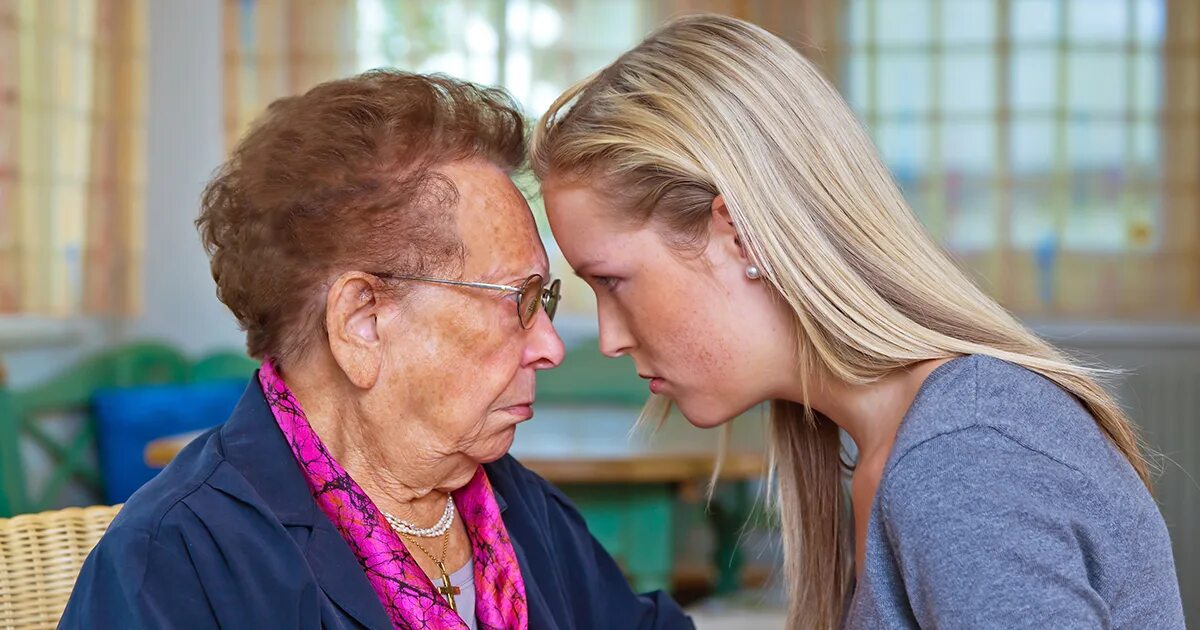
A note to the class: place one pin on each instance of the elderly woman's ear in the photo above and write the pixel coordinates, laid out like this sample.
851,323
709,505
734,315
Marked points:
352,310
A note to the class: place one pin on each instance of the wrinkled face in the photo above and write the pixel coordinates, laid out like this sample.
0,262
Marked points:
705,335
458,363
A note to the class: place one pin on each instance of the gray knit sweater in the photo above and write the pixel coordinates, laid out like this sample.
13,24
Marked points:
1002,505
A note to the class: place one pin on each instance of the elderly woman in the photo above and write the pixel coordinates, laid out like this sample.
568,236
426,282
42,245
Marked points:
388,274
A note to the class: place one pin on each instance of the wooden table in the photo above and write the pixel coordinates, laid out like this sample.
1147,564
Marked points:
628,484
568,445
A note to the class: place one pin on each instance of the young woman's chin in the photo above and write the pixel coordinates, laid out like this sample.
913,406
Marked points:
704,415
707,412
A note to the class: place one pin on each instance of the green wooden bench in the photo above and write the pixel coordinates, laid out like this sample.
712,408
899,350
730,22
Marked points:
22,414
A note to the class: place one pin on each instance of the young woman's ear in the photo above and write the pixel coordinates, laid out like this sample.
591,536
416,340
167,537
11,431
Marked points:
723,228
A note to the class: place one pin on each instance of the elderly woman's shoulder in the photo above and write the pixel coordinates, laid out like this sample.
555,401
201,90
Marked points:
162,495
516,484
507,473
196,496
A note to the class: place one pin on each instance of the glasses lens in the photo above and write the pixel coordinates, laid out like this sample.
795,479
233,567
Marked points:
530,297
551,299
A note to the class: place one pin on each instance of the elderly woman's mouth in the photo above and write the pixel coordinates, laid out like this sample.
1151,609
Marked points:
523,411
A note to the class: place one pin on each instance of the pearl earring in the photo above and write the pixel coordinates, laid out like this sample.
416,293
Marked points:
752,272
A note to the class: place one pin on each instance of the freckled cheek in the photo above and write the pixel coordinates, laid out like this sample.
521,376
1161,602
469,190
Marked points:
712,348
486,436
678,331
456,364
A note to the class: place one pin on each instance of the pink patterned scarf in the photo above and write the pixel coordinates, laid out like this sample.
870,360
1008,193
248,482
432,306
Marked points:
407,593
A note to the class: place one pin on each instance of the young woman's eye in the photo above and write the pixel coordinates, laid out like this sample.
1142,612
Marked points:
606,282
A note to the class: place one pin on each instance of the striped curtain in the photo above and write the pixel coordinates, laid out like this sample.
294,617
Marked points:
276,48
1180,130
72,111
811,26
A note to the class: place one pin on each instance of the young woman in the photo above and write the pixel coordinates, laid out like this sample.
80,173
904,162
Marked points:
746,244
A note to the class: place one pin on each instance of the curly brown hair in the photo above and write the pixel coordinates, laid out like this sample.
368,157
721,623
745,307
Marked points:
345,177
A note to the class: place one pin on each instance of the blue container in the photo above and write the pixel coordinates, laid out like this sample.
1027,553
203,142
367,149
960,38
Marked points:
129,418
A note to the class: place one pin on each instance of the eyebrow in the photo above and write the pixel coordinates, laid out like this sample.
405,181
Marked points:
582,269
515,280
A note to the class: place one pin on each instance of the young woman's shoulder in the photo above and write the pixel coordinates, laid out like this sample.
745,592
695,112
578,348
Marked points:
1002,489
979,398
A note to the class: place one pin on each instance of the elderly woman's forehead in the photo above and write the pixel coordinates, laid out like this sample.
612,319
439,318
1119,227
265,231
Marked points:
494,221
477,180
503,245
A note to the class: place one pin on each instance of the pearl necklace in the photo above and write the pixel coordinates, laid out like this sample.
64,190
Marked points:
438,529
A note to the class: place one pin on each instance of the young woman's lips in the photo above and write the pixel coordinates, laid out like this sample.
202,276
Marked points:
656,383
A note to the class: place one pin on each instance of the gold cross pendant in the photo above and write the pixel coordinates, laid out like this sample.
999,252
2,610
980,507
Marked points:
447,589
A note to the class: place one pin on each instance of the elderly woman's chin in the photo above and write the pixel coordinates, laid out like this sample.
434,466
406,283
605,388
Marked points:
494,443
496,446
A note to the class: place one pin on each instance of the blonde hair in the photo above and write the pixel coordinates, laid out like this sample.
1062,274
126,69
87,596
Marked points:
711,105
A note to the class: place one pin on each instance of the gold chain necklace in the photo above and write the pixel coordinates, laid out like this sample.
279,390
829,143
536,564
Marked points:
447,590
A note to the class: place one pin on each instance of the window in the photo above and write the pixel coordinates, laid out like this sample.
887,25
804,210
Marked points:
1030,137
535,49
1052,145
1031,123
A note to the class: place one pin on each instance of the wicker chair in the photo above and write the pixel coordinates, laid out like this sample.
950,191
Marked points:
40,557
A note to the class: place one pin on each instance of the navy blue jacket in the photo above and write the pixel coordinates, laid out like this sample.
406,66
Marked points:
229,536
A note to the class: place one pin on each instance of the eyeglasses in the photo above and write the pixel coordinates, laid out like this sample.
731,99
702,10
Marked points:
533,292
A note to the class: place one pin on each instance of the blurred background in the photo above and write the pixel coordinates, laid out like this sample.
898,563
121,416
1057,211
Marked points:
1052,146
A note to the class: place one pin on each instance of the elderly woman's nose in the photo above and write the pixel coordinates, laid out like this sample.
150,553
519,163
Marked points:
544,348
